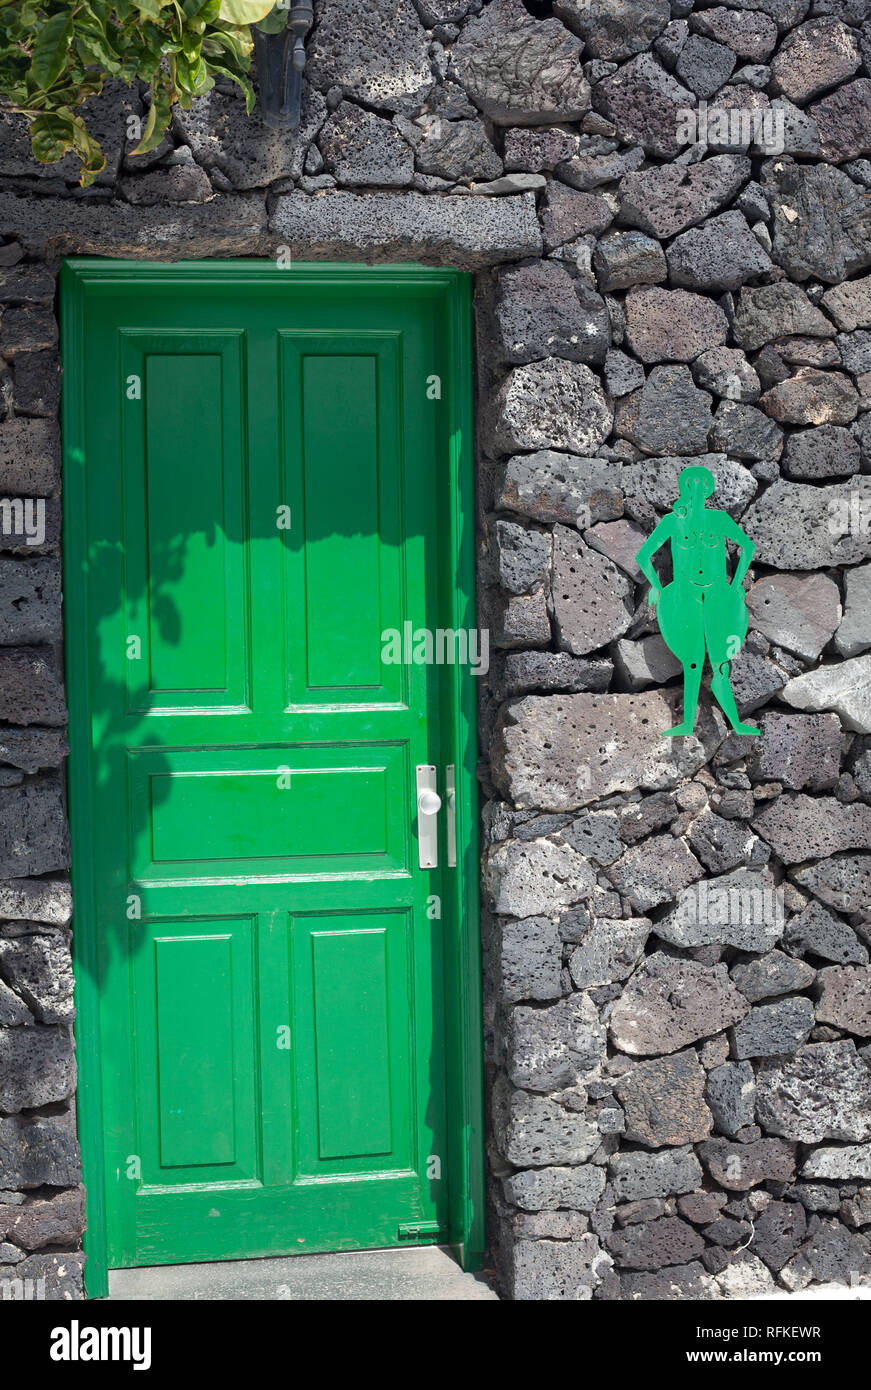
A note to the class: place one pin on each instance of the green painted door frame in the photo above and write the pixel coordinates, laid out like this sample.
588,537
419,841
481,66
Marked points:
87,282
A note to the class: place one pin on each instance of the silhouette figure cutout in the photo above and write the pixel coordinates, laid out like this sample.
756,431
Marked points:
700,611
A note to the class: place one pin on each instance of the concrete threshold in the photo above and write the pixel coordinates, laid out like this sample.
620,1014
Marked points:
421,1274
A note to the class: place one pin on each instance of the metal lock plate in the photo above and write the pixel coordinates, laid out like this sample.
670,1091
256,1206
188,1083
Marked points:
428,805
451,822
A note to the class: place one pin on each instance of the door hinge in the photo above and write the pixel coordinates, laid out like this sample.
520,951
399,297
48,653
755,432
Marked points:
422,1230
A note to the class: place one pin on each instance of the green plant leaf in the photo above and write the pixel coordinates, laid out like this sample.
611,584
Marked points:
241,81
159,115
50,49
191,43
55,54
51,136
275,21
244,11
237,42
93,48
86,147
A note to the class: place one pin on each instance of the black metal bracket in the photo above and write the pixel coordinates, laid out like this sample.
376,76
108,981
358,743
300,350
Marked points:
280,66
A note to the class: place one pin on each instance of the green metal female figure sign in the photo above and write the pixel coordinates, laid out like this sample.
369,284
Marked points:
700,610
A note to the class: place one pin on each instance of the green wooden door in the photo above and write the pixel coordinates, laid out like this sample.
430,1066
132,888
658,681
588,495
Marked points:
264,482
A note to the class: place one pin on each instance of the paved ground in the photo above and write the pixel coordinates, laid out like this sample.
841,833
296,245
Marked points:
825,1292
423,1274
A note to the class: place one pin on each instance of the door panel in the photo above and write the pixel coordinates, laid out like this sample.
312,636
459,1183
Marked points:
217,811
272,972
202,1047
352,978
340,402
179,522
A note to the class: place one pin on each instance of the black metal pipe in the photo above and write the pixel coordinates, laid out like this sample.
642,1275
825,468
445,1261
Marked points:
280,64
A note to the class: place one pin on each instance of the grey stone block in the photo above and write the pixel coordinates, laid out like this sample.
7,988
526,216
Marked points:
720,255
535,1132
37,1066
671,1002
38,1151
738,1167
360,148
519,70
30,599
31,690
592,598
615,29
29,458
669,415
797,526
624,259
637,1176
33,829
665,199
845,998
730,1091
465,232
376,51
523,556
672,325
823,1092
551,486
817,198
842,882
797,612
538,876
814,57
654,872
741,908
800,827
39,900
551,404
555,1046
664,1101
547,754
538,311
854,633
529,960
772,1029
609,951
566,1270
39,968
656,1244
54,227
643,101
798,750
546,1189
770,975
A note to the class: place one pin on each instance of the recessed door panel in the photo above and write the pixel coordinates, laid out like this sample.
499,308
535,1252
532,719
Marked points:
343,460
352,976
184,497
268,810
196,1038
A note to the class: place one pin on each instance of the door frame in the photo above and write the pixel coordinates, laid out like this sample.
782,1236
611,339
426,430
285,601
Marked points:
460,919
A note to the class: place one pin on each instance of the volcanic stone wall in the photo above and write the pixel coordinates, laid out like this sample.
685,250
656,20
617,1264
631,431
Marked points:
668,206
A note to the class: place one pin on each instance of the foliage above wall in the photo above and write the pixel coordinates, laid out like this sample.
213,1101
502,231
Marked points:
54,54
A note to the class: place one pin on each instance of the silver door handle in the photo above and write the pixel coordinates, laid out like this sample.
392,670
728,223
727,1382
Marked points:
428,803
